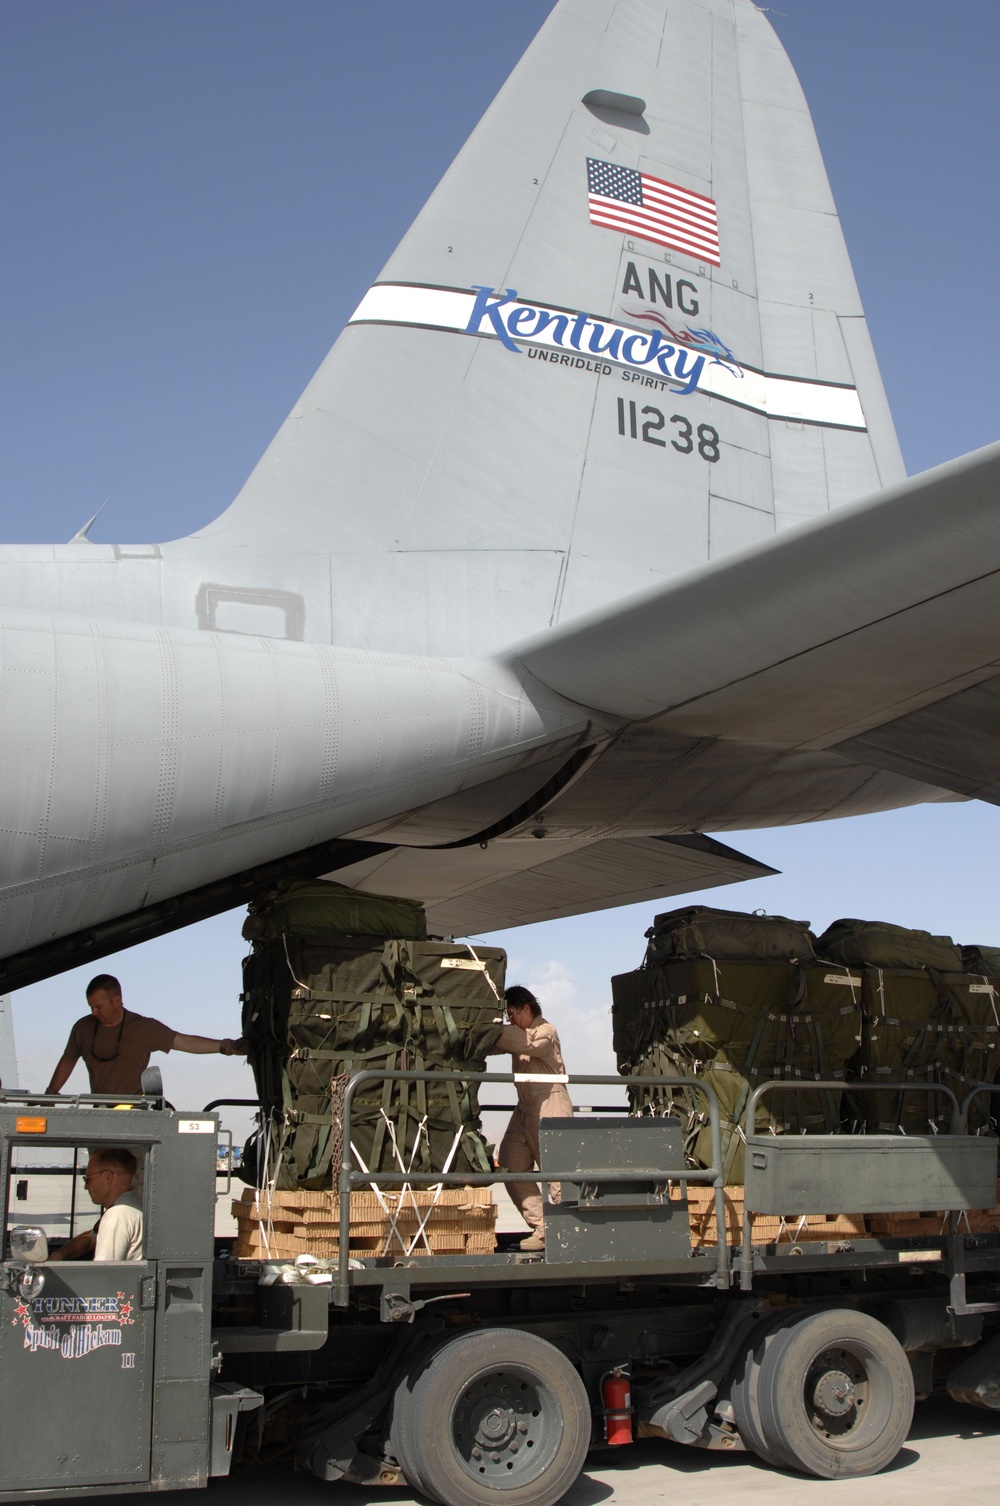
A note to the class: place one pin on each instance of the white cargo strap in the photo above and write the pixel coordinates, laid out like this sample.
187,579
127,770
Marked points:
297,981
541,1077
493,988
393,1214
271,1155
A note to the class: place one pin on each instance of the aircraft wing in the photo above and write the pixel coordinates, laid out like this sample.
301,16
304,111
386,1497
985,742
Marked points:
873,634
516,881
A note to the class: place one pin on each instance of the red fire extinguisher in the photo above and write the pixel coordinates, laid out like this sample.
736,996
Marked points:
616,1394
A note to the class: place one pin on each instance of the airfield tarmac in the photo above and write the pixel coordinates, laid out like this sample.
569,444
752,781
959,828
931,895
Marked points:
952,1456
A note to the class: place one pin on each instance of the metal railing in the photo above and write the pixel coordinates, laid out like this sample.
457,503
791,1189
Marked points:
973,1093
783,1085
146,1101
799,1085
351,1178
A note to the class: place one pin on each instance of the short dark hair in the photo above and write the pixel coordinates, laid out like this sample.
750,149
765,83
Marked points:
518,997
105,981
115,1158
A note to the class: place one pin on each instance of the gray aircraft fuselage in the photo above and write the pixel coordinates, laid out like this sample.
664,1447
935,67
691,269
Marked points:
436,645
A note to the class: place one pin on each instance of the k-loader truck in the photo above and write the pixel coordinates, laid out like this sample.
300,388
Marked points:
484,1379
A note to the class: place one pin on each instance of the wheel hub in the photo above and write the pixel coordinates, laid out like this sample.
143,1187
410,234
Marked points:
834,1394
492,1422
500,1432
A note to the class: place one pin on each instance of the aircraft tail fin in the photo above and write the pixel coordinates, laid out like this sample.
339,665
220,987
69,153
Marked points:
622,338
8,1054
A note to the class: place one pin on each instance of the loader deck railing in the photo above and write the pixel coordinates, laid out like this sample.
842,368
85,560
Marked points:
867,1172
352,1178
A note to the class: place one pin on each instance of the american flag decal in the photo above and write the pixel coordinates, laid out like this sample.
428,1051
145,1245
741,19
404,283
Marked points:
637,204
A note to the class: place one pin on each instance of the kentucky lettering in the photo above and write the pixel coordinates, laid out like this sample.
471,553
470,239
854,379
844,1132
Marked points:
511,321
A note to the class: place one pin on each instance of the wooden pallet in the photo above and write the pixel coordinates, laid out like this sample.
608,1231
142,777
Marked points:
279,1226
766,1229
769,1229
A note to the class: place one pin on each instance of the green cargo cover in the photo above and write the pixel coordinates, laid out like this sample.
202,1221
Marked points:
735,1024
924,1026
297,907
317,1009
727,935
880,944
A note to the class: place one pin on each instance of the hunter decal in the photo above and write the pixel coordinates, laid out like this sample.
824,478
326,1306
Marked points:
73,1327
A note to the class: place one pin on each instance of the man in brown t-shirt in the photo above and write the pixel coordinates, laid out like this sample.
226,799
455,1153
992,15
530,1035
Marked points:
116,1044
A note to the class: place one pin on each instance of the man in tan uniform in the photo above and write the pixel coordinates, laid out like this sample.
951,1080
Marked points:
534,1047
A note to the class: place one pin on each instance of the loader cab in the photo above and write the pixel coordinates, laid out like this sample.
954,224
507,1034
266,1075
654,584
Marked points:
104,1365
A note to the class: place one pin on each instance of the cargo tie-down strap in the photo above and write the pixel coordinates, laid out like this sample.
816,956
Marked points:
393,1214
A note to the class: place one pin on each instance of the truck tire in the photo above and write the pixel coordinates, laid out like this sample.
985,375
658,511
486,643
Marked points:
496,1411
745,1385
835,1393
401,1434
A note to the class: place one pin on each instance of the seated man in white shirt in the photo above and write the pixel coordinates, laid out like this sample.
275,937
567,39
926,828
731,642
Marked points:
117,1235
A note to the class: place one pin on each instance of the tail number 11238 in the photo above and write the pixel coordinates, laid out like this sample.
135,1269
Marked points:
647,423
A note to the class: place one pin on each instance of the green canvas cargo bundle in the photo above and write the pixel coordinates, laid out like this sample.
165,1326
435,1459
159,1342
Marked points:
733,1025
295,907
910,1033
972,1002
728,936
983,961
876,942
315,1011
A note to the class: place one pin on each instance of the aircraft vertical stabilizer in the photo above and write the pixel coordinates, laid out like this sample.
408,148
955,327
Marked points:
622,338
8,1055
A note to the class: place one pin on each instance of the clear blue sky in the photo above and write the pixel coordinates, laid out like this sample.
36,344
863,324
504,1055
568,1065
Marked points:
197,194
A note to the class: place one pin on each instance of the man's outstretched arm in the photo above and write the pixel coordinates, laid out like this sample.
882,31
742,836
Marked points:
201,1045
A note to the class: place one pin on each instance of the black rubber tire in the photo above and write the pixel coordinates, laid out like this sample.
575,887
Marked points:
498,1412
401,1434
745,1382
835,1393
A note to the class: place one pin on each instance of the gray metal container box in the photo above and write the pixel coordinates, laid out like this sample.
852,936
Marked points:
870,1173
602,1220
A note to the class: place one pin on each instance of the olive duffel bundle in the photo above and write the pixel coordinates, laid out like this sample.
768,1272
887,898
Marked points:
879,944
318,1007
867,1002
734,1024
929,1017
317,907
727,936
